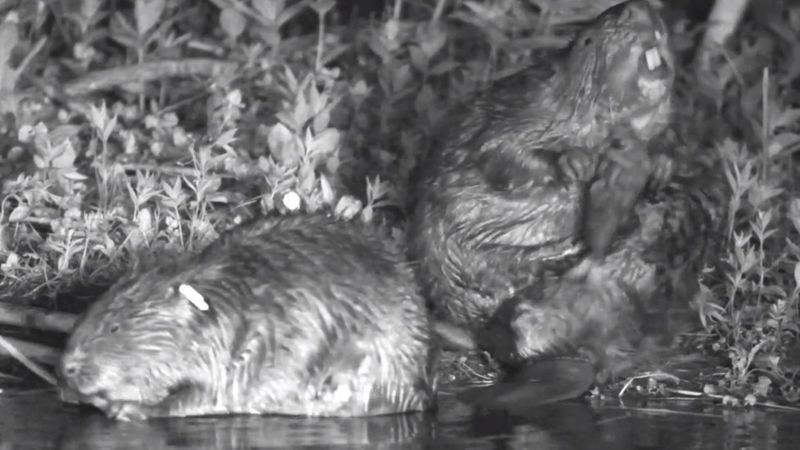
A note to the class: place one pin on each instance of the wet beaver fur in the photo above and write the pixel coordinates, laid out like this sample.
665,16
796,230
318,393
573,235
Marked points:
603,319
622,311
306,316
497,232
505,194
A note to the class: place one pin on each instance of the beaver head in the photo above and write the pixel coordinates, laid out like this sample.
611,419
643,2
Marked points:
623,68
144,339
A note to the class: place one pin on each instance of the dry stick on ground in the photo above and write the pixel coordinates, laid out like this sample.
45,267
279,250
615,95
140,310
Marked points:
149,71
38,318
19,349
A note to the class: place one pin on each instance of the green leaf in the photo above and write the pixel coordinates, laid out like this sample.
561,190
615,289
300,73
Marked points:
321,121
433,44
148,13
418,59
324,143
98,116
75,176
9,36
109,128
797,274
284,146
63,132
269,9
19,213
443,67
783,142
63,156
232,22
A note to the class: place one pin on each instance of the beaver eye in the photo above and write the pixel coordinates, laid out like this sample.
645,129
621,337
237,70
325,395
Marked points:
587,41
627,14
114,328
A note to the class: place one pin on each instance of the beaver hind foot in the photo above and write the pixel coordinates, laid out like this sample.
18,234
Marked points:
300,316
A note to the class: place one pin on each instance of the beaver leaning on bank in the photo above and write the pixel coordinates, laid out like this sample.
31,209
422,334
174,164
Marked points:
604,319
609,312
500,198
634,72
299,315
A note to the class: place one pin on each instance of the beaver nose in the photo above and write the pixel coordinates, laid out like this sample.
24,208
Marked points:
70,368
73,366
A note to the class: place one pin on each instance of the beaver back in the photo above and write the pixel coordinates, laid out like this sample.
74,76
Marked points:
299,315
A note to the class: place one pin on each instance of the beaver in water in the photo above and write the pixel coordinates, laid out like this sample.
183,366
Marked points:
497,231
300,315
603,318
604,311
505,194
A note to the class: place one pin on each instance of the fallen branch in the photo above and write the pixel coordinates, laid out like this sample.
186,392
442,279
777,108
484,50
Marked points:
24,352
38,318
144,72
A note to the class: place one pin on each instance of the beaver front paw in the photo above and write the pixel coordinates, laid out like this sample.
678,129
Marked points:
127,412
577,165
663,168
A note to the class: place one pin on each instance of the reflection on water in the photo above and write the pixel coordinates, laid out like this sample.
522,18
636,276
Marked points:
38,420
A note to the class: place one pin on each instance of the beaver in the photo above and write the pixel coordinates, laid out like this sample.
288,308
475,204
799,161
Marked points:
603,310
504,196
302,315
640,74
602,319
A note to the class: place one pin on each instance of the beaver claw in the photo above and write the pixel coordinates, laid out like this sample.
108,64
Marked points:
577,165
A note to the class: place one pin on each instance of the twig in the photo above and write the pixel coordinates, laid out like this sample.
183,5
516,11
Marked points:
42,221
398,10
658,374
776,406
684,392
148,71
664,411
722,22
39,318
36,49
15,349
437,13
698,394
469,370
765,128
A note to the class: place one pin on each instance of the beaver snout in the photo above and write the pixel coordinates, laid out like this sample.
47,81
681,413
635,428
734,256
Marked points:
654,64
78,372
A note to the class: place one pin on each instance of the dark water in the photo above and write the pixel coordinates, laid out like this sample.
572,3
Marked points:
37,420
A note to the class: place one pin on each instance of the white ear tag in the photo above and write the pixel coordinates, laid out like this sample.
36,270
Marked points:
194,297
